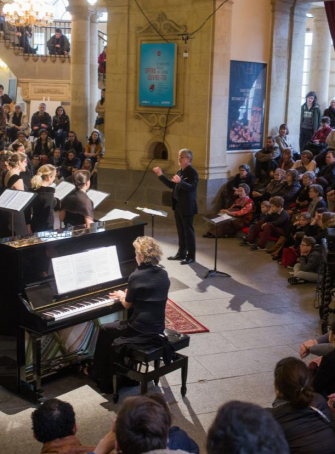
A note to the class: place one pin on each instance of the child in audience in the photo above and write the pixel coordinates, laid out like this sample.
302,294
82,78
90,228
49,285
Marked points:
307,268
265,208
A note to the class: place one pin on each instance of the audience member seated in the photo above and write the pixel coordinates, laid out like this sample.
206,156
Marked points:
304,416
322,220
283,140
241,213
265,208
303,199
4,98
73,143
36,163
307,268
244,175
44,145
310,119
93,148
291,187
316,196
100,110
326,176
244,428
305,164
18,121
69,162
273,188
22,140
266,158
3,124
40,120
60,127
44,204
58,44
87,165
318,140
286,161
275,224
56,158
290,251
330,112
54,425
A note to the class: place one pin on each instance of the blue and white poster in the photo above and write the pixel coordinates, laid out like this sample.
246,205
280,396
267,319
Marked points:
247,92
157,75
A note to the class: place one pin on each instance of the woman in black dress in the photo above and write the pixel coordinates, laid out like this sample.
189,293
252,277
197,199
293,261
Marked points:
43,205
17,163
147,293
77,208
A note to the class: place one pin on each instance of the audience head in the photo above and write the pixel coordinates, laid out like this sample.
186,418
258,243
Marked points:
325,121
71,154
18,160
293,382
315,190
292,176
306,157
287,154
6,108
72,136
17,108
160,399
43,134
87,164
330,157
283,130
103,93
36,160
306,245
59,111
57,152
1,89
21,136
53,420
58,33
94,137
304,218
276,203
244,428
265,206
142,425
327,220
244,170
82,179
309,96
279,174
308,178
45,174
332,103
243,190
42,107
270,141
16,147
147,250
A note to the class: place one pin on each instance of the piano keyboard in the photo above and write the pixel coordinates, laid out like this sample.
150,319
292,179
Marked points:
79,307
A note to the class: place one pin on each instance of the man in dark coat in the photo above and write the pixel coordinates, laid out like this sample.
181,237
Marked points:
184,203
40,120
4,99
58,43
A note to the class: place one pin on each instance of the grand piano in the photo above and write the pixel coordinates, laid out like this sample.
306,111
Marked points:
46,331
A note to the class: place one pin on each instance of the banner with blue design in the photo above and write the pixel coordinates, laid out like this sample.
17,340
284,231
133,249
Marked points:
247,92
157,74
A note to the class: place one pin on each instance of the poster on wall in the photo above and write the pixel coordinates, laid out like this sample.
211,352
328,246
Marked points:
247,91
157,80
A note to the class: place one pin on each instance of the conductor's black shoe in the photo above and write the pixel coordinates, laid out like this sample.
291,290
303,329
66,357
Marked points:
187,261
176,257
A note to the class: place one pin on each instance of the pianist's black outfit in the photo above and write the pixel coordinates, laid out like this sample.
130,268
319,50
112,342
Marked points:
43,209
148,288
77,206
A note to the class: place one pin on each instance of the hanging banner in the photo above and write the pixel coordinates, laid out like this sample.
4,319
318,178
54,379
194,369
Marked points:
247,93
157,75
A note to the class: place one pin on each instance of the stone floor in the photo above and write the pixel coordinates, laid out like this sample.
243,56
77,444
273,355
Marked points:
255,319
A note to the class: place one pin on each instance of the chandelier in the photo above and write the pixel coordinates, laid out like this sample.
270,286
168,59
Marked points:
28,13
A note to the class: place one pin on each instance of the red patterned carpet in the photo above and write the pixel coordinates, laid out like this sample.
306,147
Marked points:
179,320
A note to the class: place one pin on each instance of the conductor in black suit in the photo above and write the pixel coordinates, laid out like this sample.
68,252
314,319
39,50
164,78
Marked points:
184,204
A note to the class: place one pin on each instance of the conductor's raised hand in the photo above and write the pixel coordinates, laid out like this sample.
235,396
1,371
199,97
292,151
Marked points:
176,179
158,171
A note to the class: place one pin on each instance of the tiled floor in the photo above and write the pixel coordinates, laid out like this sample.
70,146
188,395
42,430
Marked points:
255,318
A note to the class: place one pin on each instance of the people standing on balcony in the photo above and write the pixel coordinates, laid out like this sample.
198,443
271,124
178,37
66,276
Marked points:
18,121
60,127
72,143
25,40
100,110
102,62
44,146
40,120
58,44
4,99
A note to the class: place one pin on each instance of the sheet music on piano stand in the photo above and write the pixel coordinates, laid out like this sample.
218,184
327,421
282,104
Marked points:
77,271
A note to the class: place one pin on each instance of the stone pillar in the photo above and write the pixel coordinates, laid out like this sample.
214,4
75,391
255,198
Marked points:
80,70
94,89
117,75
320,57
286,67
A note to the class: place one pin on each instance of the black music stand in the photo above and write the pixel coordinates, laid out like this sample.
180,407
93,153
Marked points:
215,221
153,213
14,201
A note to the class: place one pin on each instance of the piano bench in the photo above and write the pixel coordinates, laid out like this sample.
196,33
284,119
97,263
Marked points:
141,358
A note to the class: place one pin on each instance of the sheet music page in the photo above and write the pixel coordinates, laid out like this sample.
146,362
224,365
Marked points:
224,217
64,274
83,269
20,200
106,264
6,197
119,214
64,189
153,212
96,196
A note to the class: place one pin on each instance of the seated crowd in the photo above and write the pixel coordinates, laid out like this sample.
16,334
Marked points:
289,200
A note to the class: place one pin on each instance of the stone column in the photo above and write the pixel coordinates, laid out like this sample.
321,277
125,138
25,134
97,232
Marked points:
286,67
320,57
117,75
80,70
94,89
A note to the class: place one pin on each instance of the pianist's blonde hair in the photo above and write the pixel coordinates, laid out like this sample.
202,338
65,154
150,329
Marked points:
42,174
149,249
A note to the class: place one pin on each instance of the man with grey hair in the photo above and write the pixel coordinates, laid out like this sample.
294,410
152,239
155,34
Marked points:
40,120
184,203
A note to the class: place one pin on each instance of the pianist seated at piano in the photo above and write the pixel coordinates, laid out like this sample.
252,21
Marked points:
77,207
44,204
146,294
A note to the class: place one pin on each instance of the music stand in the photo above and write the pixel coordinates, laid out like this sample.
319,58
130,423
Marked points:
14,201
215,221
153,213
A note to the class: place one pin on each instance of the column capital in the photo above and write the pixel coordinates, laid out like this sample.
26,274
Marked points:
285,6
95,17
79,12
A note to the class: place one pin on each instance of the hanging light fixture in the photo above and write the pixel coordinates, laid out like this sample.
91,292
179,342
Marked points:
28,12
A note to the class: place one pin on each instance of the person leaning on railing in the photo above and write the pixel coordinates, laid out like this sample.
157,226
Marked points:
58,44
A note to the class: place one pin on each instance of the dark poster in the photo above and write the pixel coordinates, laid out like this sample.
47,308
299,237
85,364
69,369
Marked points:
247,92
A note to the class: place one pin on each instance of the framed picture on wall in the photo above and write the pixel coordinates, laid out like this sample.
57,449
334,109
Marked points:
12,85
247,92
